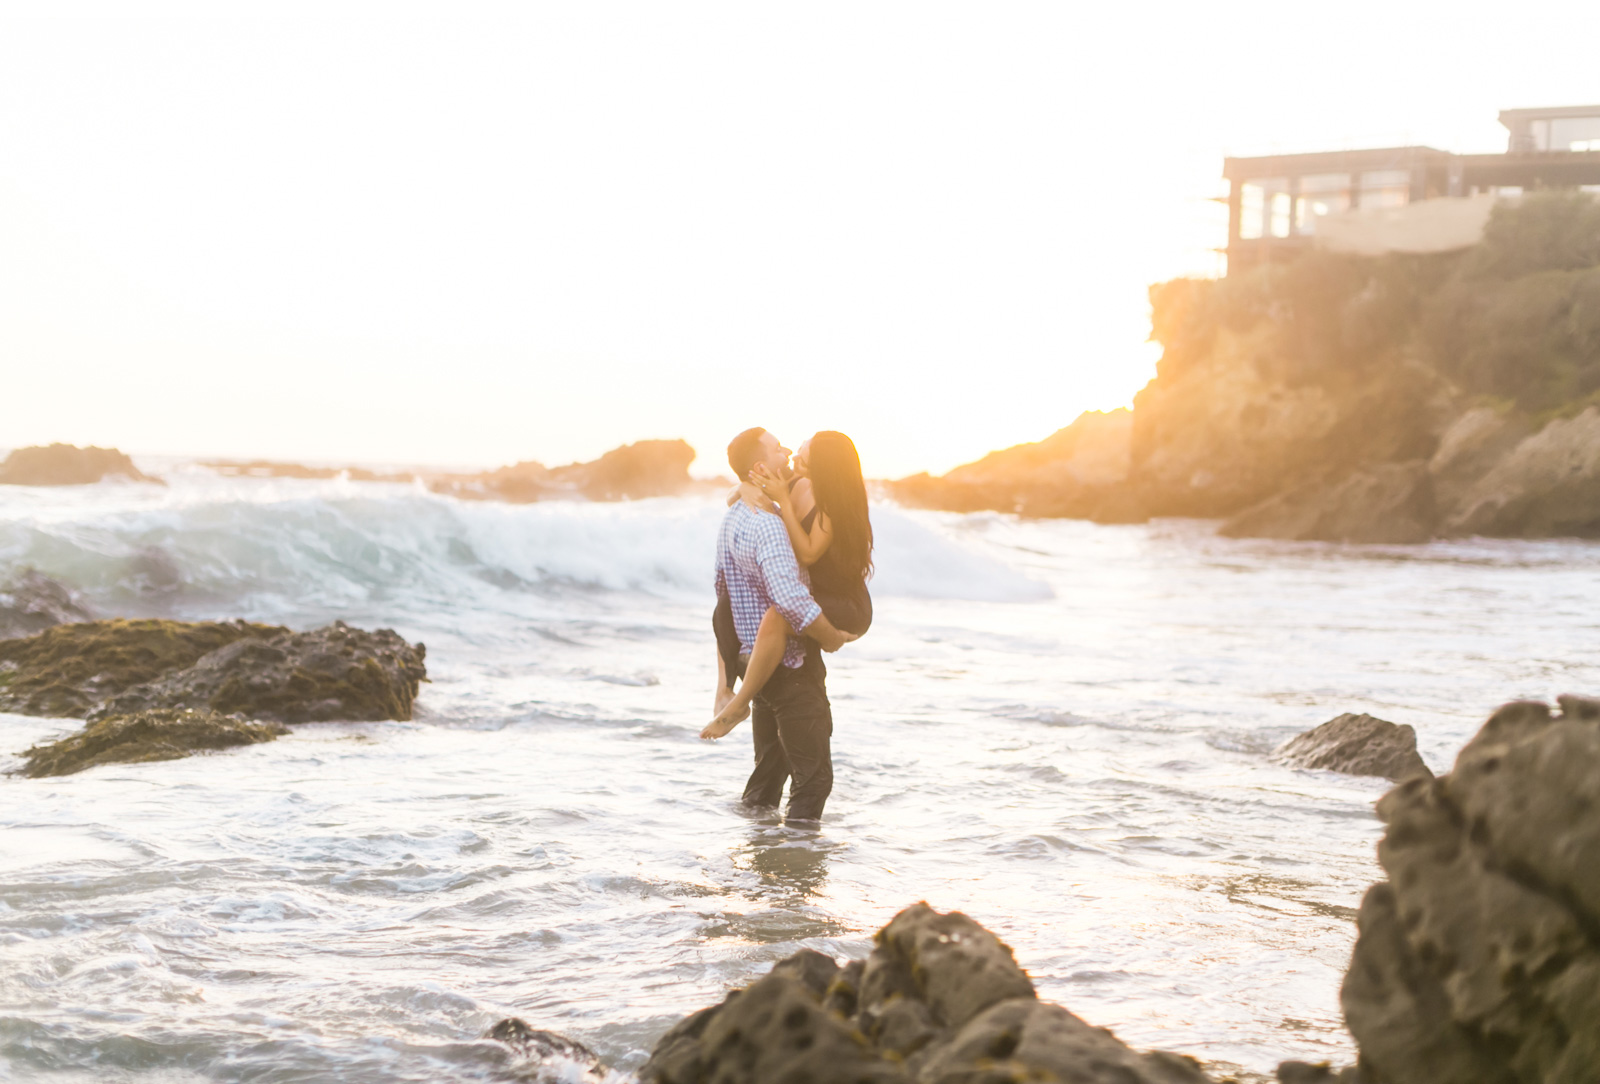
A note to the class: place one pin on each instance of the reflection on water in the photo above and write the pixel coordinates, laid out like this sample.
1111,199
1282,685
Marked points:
791,862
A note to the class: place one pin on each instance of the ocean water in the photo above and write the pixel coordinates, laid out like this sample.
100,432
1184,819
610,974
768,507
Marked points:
1060,728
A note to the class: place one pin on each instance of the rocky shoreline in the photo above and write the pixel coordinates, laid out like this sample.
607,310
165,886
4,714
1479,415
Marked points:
1476,962
1381,400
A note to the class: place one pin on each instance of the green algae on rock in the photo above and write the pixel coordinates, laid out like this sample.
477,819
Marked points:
146,736
336,673
97,669
69,669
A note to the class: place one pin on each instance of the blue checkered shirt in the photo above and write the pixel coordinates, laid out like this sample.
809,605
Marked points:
756,569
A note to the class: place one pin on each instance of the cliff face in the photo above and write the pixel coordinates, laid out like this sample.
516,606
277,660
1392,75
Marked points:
1389,399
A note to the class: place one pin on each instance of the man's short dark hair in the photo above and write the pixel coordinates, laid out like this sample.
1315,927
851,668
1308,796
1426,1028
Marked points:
744,452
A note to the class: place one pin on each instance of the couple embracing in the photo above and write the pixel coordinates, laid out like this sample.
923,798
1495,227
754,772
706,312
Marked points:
793,558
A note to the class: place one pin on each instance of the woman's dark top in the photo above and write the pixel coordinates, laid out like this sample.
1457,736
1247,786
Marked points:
842,594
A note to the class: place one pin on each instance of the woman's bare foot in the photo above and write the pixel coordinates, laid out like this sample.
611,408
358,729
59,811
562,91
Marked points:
728,718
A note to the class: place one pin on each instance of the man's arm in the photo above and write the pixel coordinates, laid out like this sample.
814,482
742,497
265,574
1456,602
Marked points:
781,575
822,631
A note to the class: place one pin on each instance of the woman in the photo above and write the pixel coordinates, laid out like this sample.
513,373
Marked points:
824,509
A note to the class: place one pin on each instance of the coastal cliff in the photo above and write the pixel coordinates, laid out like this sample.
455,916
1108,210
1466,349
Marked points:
1388,399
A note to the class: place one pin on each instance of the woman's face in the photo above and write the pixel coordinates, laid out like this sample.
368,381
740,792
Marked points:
802,461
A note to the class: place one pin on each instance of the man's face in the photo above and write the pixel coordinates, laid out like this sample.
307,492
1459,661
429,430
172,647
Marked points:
774,456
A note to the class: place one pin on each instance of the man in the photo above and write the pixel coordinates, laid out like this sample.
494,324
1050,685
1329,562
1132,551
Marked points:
791,718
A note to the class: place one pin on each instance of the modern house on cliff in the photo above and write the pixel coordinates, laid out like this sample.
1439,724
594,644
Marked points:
1411,199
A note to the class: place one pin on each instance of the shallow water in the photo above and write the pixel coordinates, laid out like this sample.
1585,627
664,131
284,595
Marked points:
1057,727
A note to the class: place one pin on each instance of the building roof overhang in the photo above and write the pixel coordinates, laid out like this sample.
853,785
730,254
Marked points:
1277,165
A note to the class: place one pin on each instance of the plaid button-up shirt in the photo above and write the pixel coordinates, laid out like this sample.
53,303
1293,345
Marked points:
756,569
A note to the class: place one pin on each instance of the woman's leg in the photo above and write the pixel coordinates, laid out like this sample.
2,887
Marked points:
765,658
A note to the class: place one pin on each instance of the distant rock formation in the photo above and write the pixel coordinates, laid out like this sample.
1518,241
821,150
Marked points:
164,734
68,465
1357,745
31,602
267,468
1351,399
99,669
649,468
940,1001
1478,960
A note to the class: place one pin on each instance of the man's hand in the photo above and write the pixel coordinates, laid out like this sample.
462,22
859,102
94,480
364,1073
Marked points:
822,631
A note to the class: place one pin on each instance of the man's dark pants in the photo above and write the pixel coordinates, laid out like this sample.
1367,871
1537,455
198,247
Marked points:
793,725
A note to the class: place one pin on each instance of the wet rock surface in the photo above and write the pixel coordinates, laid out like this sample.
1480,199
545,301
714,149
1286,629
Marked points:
31,602
940,1000
70,669
546,1055
67,465
1479,959
1357,745
145,736
99,669
332,673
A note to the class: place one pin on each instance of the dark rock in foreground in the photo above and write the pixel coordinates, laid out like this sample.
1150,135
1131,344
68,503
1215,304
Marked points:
940,1001
1357,745
69,669
1478,961
68,465
98,669
542,1048
333,673
31,602
147,736
1302,1072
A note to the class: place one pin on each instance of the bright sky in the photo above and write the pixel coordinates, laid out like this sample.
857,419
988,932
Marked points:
466,234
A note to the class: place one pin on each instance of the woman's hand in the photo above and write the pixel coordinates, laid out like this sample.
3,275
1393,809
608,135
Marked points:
776,489
755,498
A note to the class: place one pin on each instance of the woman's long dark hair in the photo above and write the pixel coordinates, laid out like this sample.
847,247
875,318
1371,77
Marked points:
841,494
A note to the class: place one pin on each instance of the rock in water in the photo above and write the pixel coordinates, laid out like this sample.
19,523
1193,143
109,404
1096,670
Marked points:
69,669
146,736
548,1050
941,1000
334,673
1391,503
1357,745
101,668
31,602
1548,485
68,465
1478,961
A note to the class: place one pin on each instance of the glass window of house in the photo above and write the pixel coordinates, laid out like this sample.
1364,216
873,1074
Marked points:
1539,132
1575,134
1320,194
1280,214
1252,207
1385,188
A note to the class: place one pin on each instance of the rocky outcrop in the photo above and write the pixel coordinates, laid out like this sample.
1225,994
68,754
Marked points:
1390,503
102,668
1357,745
1549,485
333,673
940,1000
67,465
70,669
145,736
31,602
649,468
1478,961
1080,472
